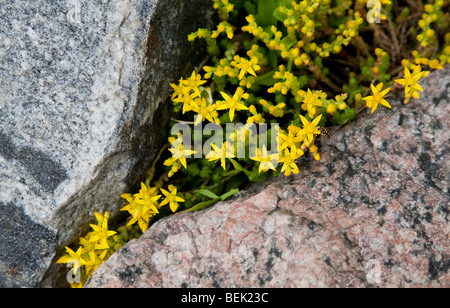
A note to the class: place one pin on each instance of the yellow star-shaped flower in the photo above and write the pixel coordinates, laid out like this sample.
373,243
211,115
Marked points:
192,84
179,153
310,128
288,140
411,82
226,151
74,258
205,111
234,104
288,159
311,102
171,198
266,161
377,97
101,232
178,89
245,66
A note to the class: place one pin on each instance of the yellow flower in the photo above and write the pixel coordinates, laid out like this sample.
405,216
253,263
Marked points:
311,101
295,130
178,89
95,260
377,97
310,128
266,161
74,258
223,27
188,101
245,66
226,151
84,242
436,65
192,84
411,82
205,110
313,149
142,206
288,159
178,152
331,108
148,196
242,134
288,140
101,232
234,104
171,198
223,7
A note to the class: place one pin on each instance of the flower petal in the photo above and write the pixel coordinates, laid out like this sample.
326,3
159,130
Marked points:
385,103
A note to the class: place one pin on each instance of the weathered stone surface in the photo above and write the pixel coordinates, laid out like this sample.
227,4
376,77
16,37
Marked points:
80,84
373,213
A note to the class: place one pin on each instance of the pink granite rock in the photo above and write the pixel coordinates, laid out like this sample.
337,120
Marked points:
373,213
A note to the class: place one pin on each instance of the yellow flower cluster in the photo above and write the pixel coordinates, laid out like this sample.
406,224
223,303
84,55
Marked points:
223,27
94,249
345,34
432,13
278,111
290,82
274,41
427,38
179,155
224,68
410,82
313,100
188,93
301,26
142,206
444,58
145,205
235,66
224,8
294,141
99,244
298,18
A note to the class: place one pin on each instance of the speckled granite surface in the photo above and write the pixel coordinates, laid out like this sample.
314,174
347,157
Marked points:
373,213
80,83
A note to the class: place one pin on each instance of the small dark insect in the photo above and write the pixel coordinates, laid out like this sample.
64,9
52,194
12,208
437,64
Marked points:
324,132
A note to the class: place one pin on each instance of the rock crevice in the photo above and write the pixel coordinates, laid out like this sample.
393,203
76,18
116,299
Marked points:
372,213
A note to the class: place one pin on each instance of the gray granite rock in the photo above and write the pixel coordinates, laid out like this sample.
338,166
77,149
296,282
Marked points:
82,92
374,212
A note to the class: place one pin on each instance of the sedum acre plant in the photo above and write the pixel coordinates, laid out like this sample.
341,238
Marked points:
298,66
